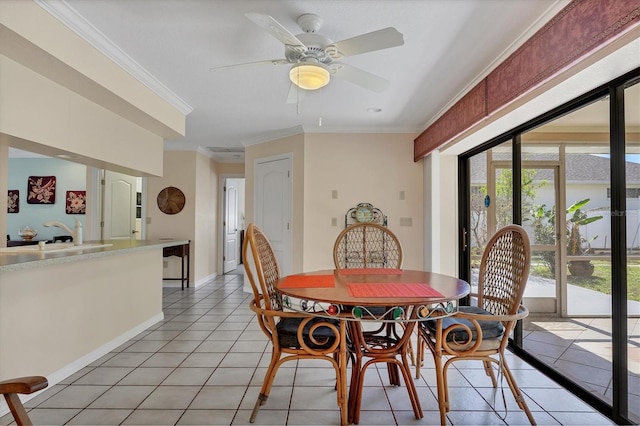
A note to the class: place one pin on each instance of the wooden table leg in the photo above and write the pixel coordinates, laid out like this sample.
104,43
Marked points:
342,383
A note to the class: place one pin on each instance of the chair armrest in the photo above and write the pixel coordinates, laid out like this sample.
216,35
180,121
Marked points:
522,313
23,385
299,331
464,334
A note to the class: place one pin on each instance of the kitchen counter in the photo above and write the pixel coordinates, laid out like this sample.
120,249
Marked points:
64,307
13,261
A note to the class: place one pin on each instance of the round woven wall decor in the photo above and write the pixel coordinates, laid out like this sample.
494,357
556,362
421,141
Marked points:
171,200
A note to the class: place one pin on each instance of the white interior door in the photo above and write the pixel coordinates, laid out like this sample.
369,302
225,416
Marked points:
231,250
119,206
273,208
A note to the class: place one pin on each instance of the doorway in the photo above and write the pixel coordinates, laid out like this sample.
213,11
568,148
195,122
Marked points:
120,206
232,224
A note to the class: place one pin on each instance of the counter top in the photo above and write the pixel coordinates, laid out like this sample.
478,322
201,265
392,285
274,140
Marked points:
13,261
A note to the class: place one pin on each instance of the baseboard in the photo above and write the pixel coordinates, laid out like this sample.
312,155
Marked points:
66,371
196,284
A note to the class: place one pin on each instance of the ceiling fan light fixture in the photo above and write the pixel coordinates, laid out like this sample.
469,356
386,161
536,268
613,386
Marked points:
309,76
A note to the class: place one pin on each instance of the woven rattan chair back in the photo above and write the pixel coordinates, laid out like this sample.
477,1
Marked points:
266,267
504,271
367,245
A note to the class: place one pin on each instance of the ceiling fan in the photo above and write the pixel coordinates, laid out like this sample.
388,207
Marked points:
314,56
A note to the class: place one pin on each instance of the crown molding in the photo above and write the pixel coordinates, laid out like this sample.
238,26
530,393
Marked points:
68,16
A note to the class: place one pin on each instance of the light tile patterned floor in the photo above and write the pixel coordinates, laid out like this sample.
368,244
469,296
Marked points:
204,364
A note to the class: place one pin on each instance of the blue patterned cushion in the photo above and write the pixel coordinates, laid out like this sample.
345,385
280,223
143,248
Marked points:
490,329
288,333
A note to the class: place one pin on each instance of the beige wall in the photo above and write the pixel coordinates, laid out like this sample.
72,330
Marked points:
196,175
42,116
230,168
180,172
362,168
206,217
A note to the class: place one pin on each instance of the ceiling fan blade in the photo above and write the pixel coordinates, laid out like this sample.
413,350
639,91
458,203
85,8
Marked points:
295,94
359,77
276,29
369,42
249,64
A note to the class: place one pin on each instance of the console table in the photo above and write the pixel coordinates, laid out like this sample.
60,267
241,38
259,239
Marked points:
182,251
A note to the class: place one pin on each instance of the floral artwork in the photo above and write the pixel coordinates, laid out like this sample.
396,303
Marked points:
42,190
76,202
13,201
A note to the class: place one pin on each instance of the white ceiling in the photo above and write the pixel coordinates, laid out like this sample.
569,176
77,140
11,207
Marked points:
448,46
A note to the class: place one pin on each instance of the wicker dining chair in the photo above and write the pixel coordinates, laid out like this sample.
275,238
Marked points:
12,389
480,332
293,335
373,246
367,245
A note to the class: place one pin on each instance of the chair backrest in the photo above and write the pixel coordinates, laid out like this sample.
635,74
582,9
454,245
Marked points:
266,267
504,271
367,245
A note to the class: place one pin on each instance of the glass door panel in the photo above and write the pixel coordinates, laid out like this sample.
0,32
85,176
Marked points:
491,197
632,178
567,192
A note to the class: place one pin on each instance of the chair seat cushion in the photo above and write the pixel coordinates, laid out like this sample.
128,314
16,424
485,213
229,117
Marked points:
490,329
288,333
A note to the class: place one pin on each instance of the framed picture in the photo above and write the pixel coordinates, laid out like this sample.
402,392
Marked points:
42,190
76,202
13,201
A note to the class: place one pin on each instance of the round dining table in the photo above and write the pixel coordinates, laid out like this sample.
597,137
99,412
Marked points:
359,296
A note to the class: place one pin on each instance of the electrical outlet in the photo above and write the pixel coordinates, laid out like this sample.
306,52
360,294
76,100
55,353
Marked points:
334,194
401,195
148,220
334,221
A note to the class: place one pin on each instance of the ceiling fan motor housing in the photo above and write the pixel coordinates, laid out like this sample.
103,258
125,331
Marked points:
316,49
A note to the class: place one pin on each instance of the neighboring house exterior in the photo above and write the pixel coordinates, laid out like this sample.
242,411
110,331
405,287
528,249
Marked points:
587,176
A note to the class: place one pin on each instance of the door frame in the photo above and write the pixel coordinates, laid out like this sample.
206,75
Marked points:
221,213
557,168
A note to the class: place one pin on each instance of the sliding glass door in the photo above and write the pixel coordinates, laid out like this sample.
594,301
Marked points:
572,179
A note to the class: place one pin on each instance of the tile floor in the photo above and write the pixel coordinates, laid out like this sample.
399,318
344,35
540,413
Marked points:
204,364
580,348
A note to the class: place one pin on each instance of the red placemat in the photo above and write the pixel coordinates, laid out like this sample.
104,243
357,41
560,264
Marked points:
370,271
308,281
392,290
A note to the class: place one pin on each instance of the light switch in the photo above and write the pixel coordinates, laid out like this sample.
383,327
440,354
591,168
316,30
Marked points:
334,221
401,195
148,220
334,194
406,221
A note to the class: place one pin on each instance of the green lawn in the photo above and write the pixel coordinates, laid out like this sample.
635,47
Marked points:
601,279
